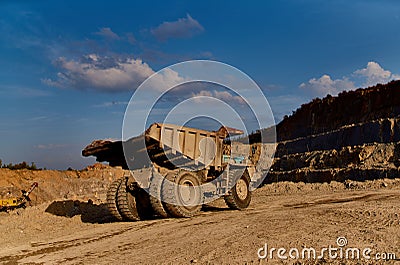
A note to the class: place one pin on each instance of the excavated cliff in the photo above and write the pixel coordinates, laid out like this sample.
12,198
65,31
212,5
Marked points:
353,136
331,113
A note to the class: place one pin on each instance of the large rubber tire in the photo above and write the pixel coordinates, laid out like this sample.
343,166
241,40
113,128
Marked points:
240,195
182,194
111,197
155,196
126,202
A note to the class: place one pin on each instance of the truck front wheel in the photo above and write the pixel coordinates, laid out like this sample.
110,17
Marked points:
182,194
239,196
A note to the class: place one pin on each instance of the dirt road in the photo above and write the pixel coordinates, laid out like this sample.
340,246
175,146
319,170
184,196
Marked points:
281,215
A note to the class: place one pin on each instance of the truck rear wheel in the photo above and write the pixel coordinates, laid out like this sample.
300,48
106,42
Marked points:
155,196
112,194
240,196
127,203
182,194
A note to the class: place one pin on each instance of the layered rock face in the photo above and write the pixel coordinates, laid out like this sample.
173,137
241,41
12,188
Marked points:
361,162
331,113
352,136
384,130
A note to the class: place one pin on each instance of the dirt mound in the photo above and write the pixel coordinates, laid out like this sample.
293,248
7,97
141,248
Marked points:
360,163
90,183
367,155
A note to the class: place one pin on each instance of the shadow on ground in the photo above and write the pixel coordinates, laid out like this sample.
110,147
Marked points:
89,212
97,213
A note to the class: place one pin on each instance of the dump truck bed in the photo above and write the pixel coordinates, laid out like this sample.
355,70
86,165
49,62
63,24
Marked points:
203,147
167,145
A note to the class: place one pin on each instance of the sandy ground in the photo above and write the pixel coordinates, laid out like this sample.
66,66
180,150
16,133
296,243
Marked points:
281,215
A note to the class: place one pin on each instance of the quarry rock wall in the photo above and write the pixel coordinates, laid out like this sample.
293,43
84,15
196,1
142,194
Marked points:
377,131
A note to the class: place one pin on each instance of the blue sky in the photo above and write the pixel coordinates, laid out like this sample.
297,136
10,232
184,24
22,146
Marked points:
68,69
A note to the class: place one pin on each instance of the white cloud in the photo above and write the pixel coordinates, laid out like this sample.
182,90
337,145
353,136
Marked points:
325,85
112,103
50,146
375,74
110,74
23,91
100,73
107,33
369,76
182,28
225,96
39,118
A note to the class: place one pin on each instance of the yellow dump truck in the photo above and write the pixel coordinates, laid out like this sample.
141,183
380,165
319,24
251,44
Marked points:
176,169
